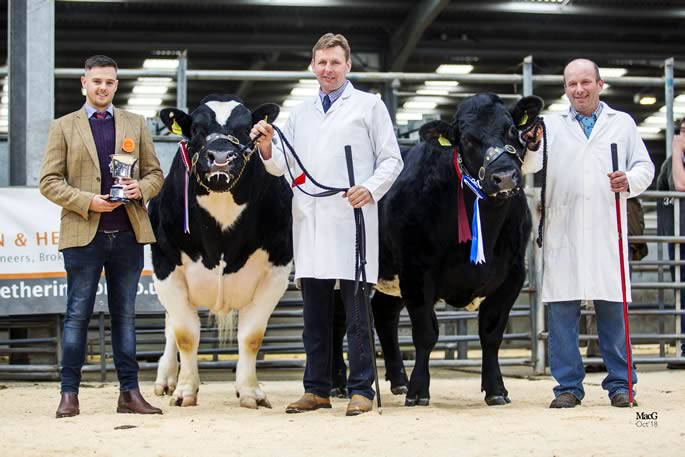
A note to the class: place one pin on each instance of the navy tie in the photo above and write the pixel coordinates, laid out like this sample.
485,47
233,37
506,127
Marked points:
326,102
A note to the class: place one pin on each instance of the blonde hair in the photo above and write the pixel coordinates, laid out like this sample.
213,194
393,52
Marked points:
331,40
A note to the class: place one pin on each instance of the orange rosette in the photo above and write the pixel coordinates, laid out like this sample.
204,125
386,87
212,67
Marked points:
128,145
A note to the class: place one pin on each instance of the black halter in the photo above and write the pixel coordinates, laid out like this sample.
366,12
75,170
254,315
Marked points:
247,151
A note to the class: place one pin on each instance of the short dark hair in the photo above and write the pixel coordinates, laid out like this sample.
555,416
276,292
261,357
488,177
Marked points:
100,60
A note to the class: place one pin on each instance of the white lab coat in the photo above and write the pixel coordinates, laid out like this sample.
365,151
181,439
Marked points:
324,228
580,241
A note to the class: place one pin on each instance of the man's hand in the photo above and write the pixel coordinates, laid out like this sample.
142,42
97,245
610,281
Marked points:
99,204
678,144
264,142
358,196
618,181
532,138
131,188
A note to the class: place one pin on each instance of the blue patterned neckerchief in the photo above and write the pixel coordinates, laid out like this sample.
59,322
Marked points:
587,123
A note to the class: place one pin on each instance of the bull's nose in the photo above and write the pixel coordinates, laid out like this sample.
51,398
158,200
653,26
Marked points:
506,180
219,158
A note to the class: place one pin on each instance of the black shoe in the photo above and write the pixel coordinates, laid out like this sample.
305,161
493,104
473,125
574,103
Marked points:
565,400
621,400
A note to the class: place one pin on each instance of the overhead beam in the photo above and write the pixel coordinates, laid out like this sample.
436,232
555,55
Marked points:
377,4
411,31
577,10
562,49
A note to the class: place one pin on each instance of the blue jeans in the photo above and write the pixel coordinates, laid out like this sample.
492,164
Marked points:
122,258
565,361
318,311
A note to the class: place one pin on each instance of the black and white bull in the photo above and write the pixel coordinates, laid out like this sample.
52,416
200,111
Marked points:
238,252
421,258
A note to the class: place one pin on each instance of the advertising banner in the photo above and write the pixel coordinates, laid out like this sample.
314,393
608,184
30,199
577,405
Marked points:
32,276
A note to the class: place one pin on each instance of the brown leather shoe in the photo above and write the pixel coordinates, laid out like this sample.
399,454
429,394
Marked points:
308,402
358,404
133,402
68,405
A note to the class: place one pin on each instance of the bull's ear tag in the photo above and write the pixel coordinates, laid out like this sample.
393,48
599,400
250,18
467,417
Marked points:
524,119
444,141
176,129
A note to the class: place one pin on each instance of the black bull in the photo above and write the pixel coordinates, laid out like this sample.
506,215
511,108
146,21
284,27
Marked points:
421,258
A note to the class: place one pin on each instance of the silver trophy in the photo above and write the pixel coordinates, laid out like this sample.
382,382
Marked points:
121,166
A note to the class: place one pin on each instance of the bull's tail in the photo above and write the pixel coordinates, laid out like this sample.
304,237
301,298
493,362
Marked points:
226,324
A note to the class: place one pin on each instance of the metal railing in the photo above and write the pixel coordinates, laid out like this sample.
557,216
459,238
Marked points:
457,342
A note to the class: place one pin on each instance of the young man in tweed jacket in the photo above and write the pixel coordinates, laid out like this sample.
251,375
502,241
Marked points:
96,233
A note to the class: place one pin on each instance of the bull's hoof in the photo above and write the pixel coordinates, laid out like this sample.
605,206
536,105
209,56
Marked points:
497,400
399,390
264,403
417,401
183,401
339,392
162,390
254,403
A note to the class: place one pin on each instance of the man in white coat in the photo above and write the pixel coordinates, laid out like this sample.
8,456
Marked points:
324,228
580,247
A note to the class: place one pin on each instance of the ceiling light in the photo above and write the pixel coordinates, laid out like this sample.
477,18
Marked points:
432,92
678,110
145,101
154,79
161,64
145,112
304,91
655,119
612,72
648,129
409,115
442,83
150,89
290,102
454,69
647,100
419,105
558,107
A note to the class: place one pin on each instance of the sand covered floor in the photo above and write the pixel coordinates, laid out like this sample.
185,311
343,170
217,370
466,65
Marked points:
457,423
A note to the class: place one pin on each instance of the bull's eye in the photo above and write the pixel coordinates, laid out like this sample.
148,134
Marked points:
513,133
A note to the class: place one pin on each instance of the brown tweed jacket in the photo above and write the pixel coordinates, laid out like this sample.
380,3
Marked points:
70,174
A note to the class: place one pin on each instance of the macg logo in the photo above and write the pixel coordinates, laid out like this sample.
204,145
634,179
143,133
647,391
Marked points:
646,420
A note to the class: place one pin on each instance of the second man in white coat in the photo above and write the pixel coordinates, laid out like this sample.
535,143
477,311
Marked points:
324,228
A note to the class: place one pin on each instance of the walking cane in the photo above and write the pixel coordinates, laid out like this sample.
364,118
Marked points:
614,161
361,266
